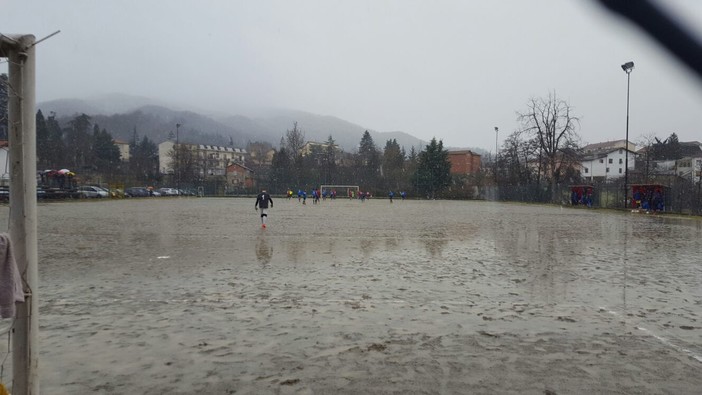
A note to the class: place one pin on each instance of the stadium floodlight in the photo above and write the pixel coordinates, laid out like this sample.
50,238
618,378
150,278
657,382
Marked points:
627,67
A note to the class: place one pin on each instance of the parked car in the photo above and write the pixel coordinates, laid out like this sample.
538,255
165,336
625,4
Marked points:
168,191
90,191
136,192
5,193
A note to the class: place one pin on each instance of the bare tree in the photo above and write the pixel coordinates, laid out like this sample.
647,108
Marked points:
552,124
185,164
294,140
647,141
515,158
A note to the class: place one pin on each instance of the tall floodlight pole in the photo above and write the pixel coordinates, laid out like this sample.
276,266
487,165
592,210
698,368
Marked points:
497,133
177,157
627,67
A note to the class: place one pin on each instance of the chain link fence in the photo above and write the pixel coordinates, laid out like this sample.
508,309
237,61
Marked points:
676,194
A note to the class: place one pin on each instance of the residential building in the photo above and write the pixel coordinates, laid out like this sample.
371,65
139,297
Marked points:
123,147
312,146
690,167
607,160
215,159
211,160
239,177
464,162
261,158
655,163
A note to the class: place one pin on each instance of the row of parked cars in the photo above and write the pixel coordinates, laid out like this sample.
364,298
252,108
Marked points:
146,192
97,192
91,191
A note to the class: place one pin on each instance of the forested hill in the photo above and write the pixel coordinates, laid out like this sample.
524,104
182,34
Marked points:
158,122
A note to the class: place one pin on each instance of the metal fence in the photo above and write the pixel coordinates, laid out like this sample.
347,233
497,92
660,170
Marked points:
680,195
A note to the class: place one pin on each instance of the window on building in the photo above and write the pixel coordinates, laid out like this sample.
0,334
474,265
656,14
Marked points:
601,160
620,170
607,170
586,169
620,161
610,160
620,151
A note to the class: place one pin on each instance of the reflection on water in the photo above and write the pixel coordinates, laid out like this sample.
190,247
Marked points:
264,251
367,246
295,250
434,242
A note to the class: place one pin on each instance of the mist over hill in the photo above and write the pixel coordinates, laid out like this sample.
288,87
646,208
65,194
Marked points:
122,115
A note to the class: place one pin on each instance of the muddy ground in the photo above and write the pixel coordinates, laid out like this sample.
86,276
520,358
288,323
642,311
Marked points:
188,295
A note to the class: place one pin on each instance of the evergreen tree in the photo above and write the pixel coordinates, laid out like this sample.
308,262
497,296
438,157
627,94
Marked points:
368,162
105,152
668,149
393,164
43,145
329,161
281,171
433,172
78,142
313,165
143,160
56,153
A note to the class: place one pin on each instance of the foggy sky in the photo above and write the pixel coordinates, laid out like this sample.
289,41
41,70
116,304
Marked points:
447,69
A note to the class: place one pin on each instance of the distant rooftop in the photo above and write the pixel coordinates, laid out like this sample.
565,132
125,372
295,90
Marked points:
608,145
223,149
462,151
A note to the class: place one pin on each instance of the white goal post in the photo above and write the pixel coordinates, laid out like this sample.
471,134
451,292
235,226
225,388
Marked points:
342,191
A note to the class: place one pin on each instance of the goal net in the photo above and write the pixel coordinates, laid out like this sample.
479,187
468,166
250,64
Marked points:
342,191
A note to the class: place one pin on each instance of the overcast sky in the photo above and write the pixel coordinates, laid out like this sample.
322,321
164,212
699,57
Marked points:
449,69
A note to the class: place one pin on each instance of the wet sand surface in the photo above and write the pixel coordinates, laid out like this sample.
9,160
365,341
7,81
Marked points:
187,295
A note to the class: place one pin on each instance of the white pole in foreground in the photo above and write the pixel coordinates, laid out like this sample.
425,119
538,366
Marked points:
23,208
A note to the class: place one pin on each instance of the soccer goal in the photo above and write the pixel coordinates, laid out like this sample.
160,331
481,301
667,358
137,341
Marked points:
342,191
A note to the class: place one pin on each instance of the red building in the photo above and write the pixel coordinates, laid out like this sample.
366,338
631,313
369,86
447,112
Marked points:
464,162
239,177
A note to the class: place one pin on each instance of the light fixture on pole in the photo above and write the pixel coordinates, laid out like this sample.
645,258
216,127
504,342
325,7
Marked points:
627,67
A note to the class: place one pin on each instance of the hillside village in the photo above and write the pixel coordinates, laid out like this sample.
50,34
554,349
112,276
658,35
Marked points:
156,147
231,170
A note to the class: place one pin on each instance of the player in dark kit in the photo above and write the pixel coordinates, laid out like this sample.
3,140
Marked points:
262,201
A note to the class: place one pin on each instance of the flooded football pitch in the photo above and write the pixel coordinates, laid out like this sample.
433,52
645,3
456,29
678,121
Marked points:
191,295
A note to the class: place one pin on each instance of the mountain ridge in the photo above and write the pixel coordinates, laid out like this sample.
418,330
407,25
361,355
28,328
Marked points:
122,114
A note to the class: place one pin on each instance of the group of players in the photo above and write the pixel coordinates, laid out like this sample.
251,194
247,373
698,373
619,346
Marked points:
316,195
264,200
